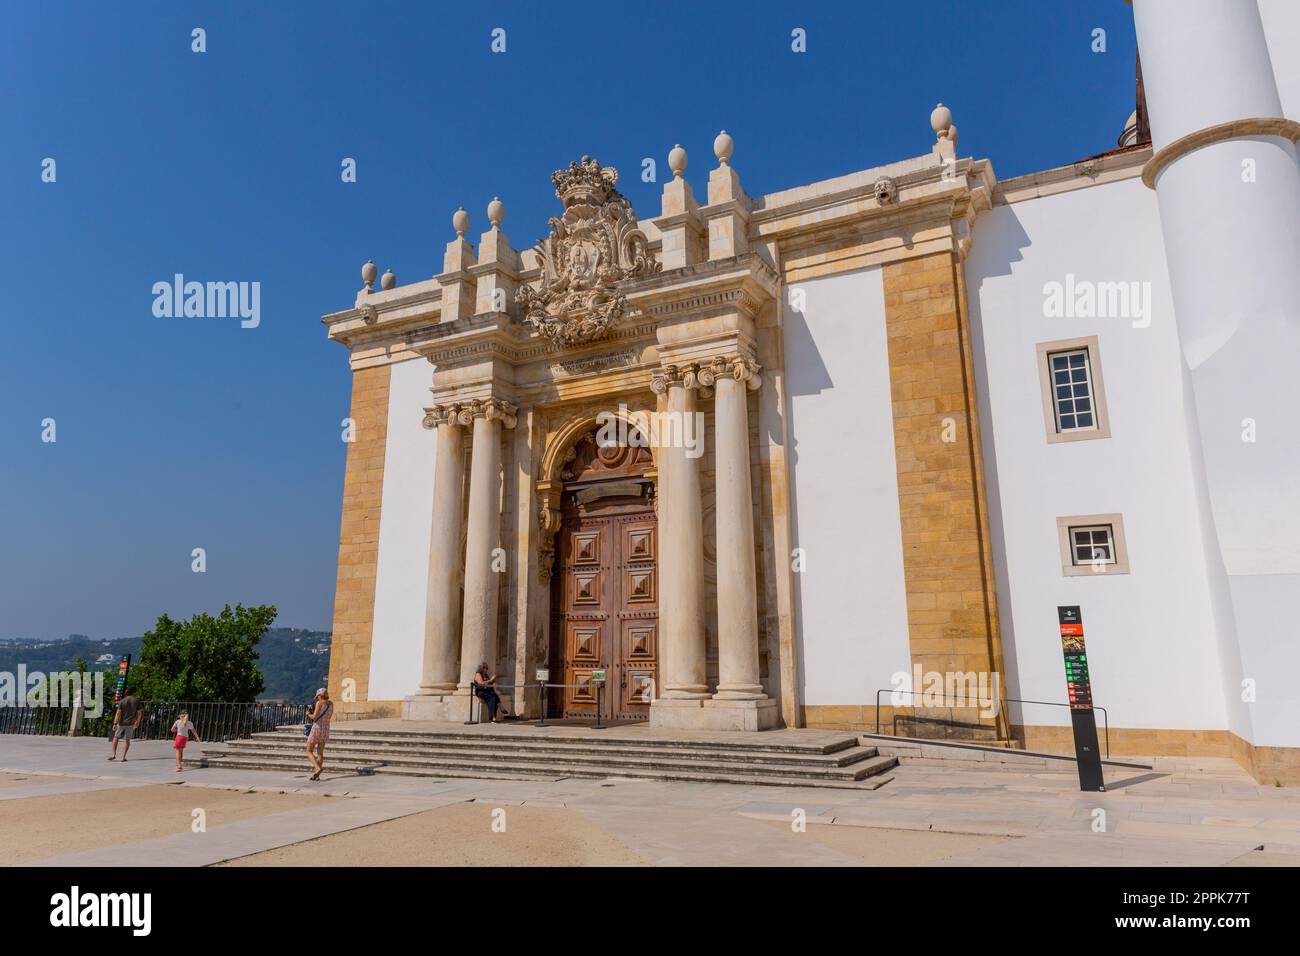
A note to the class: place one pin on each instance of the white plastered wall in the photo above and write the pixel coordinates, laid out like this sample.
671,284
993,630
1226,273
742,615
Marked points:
850,598
405,519
1152,639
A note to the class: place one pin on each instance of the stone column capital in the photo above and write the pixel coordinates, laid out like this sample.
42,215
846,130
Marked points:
444,414
464,413
741,368
704,374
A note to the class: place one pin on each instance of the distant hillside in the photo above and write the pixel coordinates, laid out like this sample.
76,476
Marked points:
293,661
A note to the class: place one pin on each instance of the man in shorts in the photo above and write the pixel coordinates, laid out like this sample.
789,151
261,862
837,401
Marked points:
126,720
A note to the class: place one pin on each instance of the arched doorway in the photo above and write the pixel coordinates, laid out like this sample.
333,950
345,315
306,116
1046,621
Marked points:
605,583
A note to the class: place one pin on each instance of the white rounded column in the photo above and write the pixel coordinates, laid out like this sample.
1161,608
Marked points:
483,534
1228,188
441,637
738,665
681,606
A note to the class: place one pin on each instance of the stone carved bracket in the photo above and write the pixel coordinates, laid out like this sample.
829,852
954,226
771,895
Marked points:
464,413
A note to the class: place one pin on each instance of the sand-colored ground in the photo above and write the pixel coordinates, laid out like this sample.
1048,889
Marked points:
878,847
25,779
38,827
461,835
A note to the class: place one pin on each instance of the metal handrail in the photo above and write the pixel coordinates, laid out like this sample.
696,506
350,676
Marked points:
1105,718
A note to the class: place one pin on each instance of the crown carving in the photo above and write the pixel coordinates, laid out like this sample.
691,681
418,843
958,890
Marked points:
595,245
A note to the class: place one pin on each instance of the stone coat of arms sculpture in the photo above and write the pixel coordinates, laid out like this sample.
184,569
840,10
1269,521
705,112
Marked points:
593,246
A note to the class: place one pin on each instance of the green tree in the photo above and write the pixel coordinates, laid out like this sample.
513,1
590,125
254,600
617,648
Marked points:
204,658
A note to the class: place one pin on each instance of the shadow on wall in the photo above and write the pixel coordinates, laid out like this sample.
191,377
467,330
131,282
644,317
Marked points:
800,349
993,253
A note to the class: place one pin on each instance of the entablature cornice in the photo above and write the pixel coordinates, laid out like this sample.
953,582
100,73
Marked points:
744,283
917,193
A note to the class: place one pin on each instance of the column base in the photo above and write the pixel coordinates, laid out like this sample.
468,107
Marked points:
434,707
714,714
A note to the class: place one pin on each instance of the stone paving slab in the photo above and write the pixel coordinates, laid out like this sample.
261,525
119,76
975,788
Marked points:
249,836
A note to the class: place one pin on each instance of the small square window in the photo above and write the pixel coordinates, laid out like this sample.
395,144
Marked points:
1092,544
1074,402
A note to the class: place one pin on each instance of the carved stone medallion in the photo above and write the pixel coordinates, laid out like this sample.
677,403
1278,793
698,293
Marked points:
592,247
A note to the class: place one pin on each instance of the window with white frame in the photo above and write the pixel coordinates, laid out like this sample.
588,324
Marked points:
1093,544
1074,400
1072,391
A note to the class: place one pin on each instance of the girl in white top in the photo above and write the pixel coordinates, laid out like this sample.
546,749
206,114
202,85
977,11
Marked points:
182,730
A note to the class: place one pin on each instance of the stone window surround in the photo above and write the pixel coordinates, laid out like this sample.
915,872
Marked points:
1096,382
1118,542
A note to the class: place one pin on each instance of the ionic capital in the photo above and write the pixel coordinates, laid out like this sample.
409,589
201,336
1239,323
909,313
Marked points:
738,367
493,409
445,414
464,413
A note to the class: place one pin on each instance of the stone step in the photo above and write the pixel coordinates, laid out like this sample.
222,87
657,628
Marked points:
538,749
610,736
292,762
594,760
245,762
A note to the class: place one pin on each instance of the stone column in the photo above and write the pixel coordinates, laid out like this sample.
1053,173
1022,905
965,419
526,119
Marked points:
681,555
440,634
738,670
483,536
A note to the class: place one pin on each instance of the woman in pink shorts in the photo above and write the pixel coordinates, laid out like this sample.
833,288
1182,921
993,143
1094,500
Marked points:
320,731
182,730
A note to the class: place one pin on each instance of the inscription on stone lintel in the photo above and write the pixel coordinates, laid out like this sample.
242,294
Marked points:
594,363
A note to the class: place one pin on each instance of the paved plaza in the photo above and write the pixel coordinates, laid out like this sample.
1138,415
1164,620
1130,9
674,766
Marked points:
63,803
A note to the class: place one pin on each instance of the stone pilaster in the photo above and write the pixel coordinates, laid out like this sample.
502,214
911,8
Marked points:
680,226
727,213
458,284
354,596
497,271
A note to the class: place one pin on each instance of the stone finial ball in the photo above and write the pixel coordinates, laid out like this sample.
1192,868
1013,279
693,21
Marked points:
496,212
940,118
387,280
368,272
723,146
677,160
460,222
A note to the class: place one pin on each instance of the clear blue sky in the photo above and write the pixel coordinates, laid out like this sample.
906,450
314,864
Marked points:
177,433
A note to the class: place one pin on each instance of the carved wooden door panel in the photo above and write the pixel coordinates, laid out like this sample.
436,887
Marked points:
584,579
607,593
632,684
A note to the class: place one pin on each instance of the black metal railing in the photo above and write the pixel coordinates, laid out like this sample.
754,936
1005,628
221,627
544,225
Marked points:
949,724
35,720
214,720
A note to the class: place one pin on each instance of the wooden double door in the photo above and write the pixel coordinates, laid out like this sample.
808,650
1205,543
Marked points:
605,601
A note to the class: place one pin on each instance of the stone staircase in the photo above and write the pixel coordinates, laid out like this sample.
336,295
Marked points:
517,754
